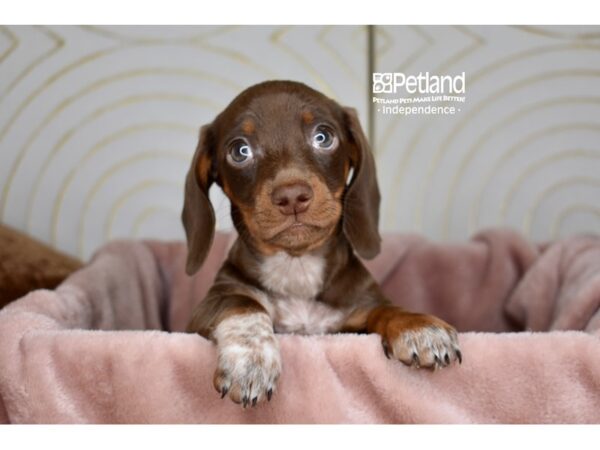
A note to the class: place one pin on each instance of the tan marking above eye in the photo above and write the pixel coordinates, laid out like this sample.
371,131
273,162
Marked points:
307,117
248,127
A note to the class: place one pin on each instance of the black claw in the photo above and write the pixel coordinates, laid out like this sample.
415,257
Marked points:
269,394
245,401
386,349
224,392
254,400
459,356
447,358
415,359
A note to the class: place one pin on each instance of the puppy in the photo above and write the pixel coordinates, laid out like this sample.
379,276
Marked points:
300,176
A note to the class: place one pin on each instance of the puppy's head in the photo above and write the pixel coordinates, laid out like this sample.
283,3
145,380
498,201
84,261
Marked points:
296,167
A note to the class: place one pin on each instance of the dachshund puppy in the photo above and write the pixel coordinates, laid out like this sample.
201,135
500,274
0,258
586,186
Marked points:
305,202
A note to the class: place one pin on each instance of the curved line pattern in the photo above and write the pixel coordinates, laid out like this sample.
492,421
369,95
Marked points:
192,41
59,43
89,89
489,133
357,81
452,60
562,216
68,179
275,38
121,202
111,107
100,31
382,49
572,181
531,168
422,49
541,31
124,164
14,42
473,79
516,148
439,153
148,212
416,137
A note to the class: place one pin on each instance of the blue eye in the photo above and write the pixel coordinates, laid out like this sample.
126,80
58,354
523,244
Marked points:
323,138
240,152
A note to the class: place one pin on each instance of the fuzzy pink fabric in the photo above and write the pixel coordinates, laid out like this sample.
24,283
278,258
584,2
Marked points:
93,350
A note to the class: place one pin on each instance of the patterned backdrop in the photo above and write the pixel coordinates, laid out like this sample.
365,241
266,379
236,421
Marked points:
98,124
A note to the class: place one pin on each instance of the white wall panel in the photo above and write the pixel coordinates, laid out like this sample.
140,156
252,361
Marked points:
98,124
523,152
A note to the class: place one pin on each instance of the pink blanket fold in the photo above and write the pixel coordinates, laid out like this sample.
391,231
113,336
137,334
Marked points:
94,349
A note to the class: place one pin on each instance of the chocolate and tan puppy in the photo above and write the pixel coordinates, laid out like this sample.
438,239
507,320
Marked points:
301,179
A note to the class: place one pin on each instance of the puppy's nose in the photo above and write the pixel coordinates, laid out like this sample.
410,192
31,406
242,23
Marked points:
292,198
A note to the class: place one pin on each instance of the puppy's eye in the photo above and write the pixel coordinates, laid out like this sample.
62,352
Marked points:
324,139
240,153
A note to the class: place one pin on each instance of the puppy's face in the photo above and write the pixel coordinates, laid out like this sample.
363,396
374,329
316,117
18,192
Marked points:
283,158
296,167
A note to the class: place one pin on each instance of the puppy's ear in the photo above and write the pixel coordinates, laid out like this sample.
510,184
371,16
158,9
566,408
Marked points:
198,215
361,201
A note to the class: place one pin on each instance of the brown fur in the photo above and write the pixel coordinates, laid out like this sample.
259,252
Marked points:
340,221
26,264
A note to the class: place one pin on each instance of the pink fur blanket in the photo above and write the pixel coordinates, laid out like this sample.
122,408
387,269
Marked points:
94,349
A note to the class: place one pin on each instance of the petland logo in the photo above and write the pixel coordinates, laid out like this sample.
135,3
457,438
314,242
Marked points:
424,83
418,94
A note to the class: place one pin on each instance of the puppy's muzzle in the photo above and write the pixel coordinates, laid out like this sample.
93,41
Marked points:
294,198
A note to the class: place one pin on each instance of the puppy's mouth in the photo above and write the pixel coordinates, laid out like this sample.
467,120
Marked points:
296,227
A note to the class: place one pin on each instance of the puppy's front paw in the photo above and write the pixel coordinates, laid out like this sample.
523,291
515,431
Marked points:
249,363
420,340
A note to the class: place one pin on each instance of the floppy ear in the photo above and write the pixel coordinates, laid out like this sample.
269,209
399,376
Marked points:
361,202
198,215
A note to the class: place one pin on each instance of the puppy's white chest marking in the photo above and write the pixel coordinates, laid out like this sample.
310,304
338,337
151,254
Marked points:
294,283
293,276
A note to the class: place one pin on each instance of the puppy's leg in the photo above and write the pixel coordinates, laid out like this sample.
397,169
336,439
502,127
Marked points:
418,340
249,362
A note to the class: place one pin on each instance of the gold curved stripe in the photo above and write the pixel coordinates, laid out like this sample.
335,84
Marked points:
473,79
89,89
14,42
124,164
516,148
192,41
494,130
358,37
476,43
58,44
122,200
237,57
380,31
562,216
100,31
435,161
275,39
542,31
111,107
531,168
547,192
393,124
337,57
49,81
442,67
127,131
427,42
148,212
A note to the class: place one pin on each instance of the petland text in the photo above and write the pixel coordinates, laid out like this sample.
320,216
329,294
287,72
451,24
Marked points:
423,83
